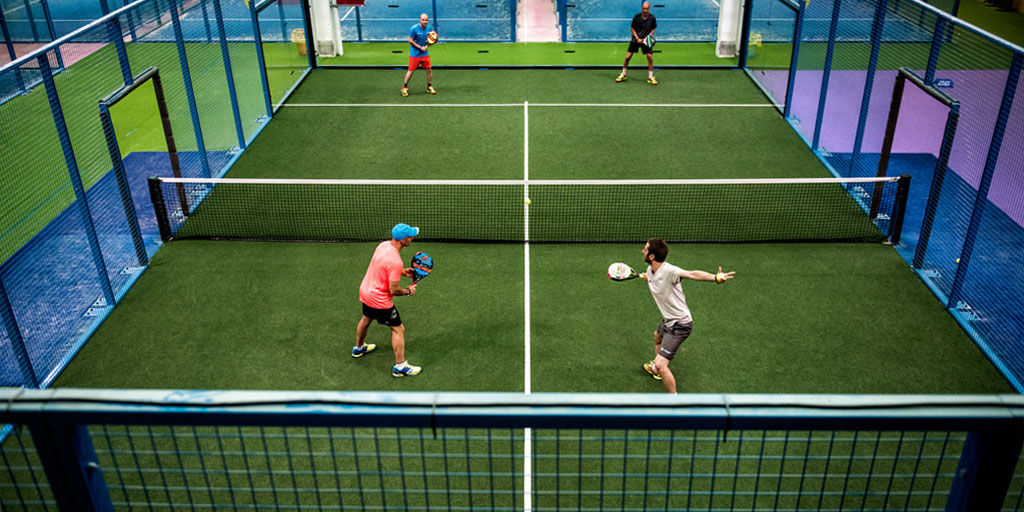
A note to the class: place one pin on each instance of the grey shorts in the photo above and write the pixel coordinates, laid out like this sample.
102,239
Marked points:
672,337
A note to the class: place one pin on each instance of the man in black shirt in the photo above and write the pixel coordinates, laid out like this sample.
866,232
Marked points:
643,25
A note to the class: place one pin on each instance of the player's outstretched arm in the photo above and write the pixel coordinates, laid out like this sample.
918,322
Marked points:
700,275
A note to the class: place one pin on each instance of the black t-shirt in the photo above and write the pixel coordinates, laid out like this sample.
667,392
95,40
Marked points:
642,26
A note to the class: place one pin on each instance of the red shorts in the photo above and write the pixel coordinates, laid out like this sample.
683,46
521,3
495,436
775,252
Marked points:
419,62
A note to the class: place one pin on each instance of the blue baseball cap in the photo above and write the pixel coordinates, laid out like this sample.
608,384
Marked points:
403,231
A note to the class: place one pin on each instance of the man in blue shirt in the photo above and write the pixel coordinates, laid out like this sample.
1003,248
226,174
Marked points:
418,56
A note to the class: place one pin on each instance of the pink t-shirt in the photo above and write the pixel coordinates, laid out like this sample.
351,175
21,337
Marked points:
385,267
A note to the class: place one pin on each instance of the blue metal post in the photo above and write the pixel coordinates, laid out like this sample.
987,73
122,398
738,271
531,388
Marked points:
104,7
745,40
10,323
76,180
307,22
563,20
53,31
281,17
206,21
359,25
937,178
259,56
221,33
876,43
122,185
72,468
512,13
31,21
981,200
9,42
433,13
797,35
986,468
189,92
114,31
833,29
933,55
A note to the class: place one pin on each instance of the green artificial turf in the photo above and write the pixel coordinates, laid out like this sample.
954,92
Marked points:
237,315
797,318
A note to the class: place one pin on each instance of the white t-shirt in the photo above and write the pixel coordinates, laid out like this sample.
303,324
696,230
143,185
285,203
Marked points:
668,293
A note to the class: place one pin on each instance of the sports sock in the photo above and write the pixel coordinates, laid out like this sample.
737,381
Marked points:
650,74
405,85
428,84
623,70
401,365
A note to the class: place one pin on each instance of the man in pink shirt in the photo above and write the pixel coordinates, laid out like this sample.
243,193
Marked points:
380,284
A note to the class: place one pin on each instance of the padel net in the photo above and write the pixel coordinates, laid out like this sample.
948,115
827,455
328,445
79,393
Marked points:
557,211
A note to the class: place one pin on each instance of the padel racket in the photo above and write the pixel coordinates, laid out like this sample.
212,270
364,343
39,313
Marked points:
621,272
431,38
649,41
422,265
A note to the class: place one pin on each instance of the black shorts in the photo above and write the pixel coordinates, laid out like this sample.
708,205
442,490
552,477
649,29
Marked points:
387,317
634,46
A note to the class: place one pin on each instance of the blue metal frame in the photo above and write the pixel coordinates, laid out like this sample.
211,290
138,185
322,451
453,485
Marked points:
794,58
941,167
52,30
308,24
71,466
254,14
359,25
981,199
865,103
76,180
745,39
206,21
10,323
433,14
563,20
122,184
10,50
189,92
31,20
833,29
512,10
114,32
933,54
222,35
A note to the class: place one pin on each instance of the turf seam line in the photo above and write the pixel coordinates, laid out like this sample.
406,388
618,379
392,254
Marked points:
495,105
527,433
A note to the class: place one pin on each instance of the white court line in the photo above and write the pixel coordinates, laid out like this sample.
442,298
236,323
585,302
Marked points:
416,105
527,433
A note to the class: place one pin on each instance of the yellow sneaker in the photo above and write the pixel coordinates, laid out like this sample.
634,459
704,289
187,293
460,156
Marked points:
431,90
649,368
651,80
621,78
405,91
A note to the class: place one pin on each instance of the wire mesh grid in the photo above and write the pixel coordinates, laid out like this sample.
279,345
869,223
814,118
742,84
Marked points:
745,470
23,484
291,468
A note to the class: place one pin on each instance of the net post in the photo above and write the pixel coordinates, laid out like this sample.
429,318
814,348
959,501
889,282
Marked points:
159,208
899,208
890,133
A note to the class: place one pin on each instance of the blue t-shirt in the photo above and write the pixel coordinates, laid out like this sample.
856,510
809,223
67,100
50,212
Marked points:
419,34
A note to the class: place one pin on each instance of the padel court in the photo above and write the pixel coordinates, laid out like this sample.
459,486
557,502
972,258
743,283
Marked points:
800,317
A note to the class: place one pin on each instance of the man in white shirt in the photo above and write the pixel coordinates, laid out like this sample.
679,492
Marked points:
664,280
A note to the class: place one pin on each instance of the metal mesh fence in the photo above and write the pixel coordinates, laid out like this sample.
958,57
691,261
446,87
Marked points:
252,451
75,231
964,236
